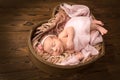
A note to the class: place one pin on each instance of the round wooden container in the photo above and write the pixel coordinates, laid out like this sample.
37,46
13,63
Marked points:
53,68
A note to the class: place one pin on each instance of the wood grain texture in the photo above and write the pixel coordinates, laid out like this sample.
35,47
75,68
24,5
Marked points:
17,18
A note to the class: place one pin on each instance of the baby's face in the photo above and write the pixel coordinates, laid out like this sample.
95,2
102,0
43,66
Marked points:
53,46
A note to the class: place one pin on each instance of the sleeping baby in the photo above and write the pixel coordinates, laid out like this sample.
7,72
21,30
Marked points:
80,34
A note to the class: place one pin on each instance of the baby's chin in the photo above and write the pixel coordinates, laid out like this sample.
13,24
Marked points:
57,54
61,50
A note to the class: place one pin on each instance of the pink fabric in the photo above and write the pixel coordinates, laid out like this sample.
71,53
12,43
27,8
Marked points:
95,37
75,10
81,21
84,39
72,60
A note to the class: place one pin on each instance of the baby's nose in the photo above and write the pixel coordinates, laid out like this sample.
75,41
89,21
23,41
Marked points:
54,49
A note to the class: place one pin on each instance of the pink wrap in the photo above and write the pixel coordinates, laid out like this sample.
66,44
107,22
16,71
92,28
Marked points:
81,21
75,10
83,38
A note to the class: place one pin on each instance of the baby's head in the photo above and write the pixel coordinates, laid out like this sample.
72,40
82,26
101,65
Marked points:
51,44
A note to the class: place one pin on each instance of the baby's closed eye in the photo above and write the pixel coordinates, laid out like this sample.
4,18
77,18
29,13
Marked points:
51,51
51,48
53,44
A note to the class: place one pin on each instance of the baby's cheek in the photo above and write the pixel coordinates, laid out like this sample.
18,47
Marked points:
55,53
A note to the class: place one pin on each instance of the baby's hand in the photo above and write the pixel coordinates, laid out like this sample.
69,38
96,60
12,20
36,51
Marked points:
70,45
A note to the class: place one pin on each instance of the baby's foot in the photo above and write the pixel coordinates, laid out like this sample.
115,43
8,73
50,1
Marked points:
102,30
80,56
98,22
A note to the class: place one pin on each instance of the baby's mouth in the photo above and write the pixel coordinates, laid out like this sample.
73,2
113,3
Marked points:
61,50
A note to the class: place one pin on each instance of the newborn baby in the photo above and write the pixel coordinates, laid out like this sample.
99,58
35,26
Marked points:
79,34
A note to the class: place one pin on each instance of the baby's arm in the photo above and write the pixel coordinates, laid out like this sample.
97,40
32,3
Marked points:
70,34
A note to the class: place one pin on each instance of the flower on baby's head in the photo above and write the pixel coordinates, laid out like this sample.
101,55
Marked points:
40,45
39,48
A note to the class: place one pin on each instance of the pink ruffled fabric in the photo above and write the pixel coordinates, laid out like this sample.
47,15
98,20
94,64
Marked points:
59,21
84,39
75,10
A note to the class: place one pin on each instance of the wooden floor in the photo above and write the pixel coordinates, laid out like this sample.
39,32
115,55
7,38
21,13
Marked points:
17,17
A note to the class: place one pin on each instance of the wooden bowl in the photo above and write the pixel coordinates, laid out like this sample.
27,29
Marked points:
53,68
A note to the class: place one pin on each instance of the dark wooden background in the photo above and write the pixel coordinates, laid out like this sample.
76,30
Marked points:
17,17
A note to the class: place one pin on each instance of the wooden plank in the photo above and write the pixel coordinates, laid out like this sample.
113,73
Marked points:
14,61
9,18
8,39
114,68
47,10
21,75
15,64
35,3
25,9
106,3
21,3
13,44
14,52
102,75
32,74
23,26
30,22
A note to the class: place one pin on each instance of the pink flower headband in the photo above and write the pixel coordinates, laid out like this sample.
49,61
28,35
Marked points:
40,45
